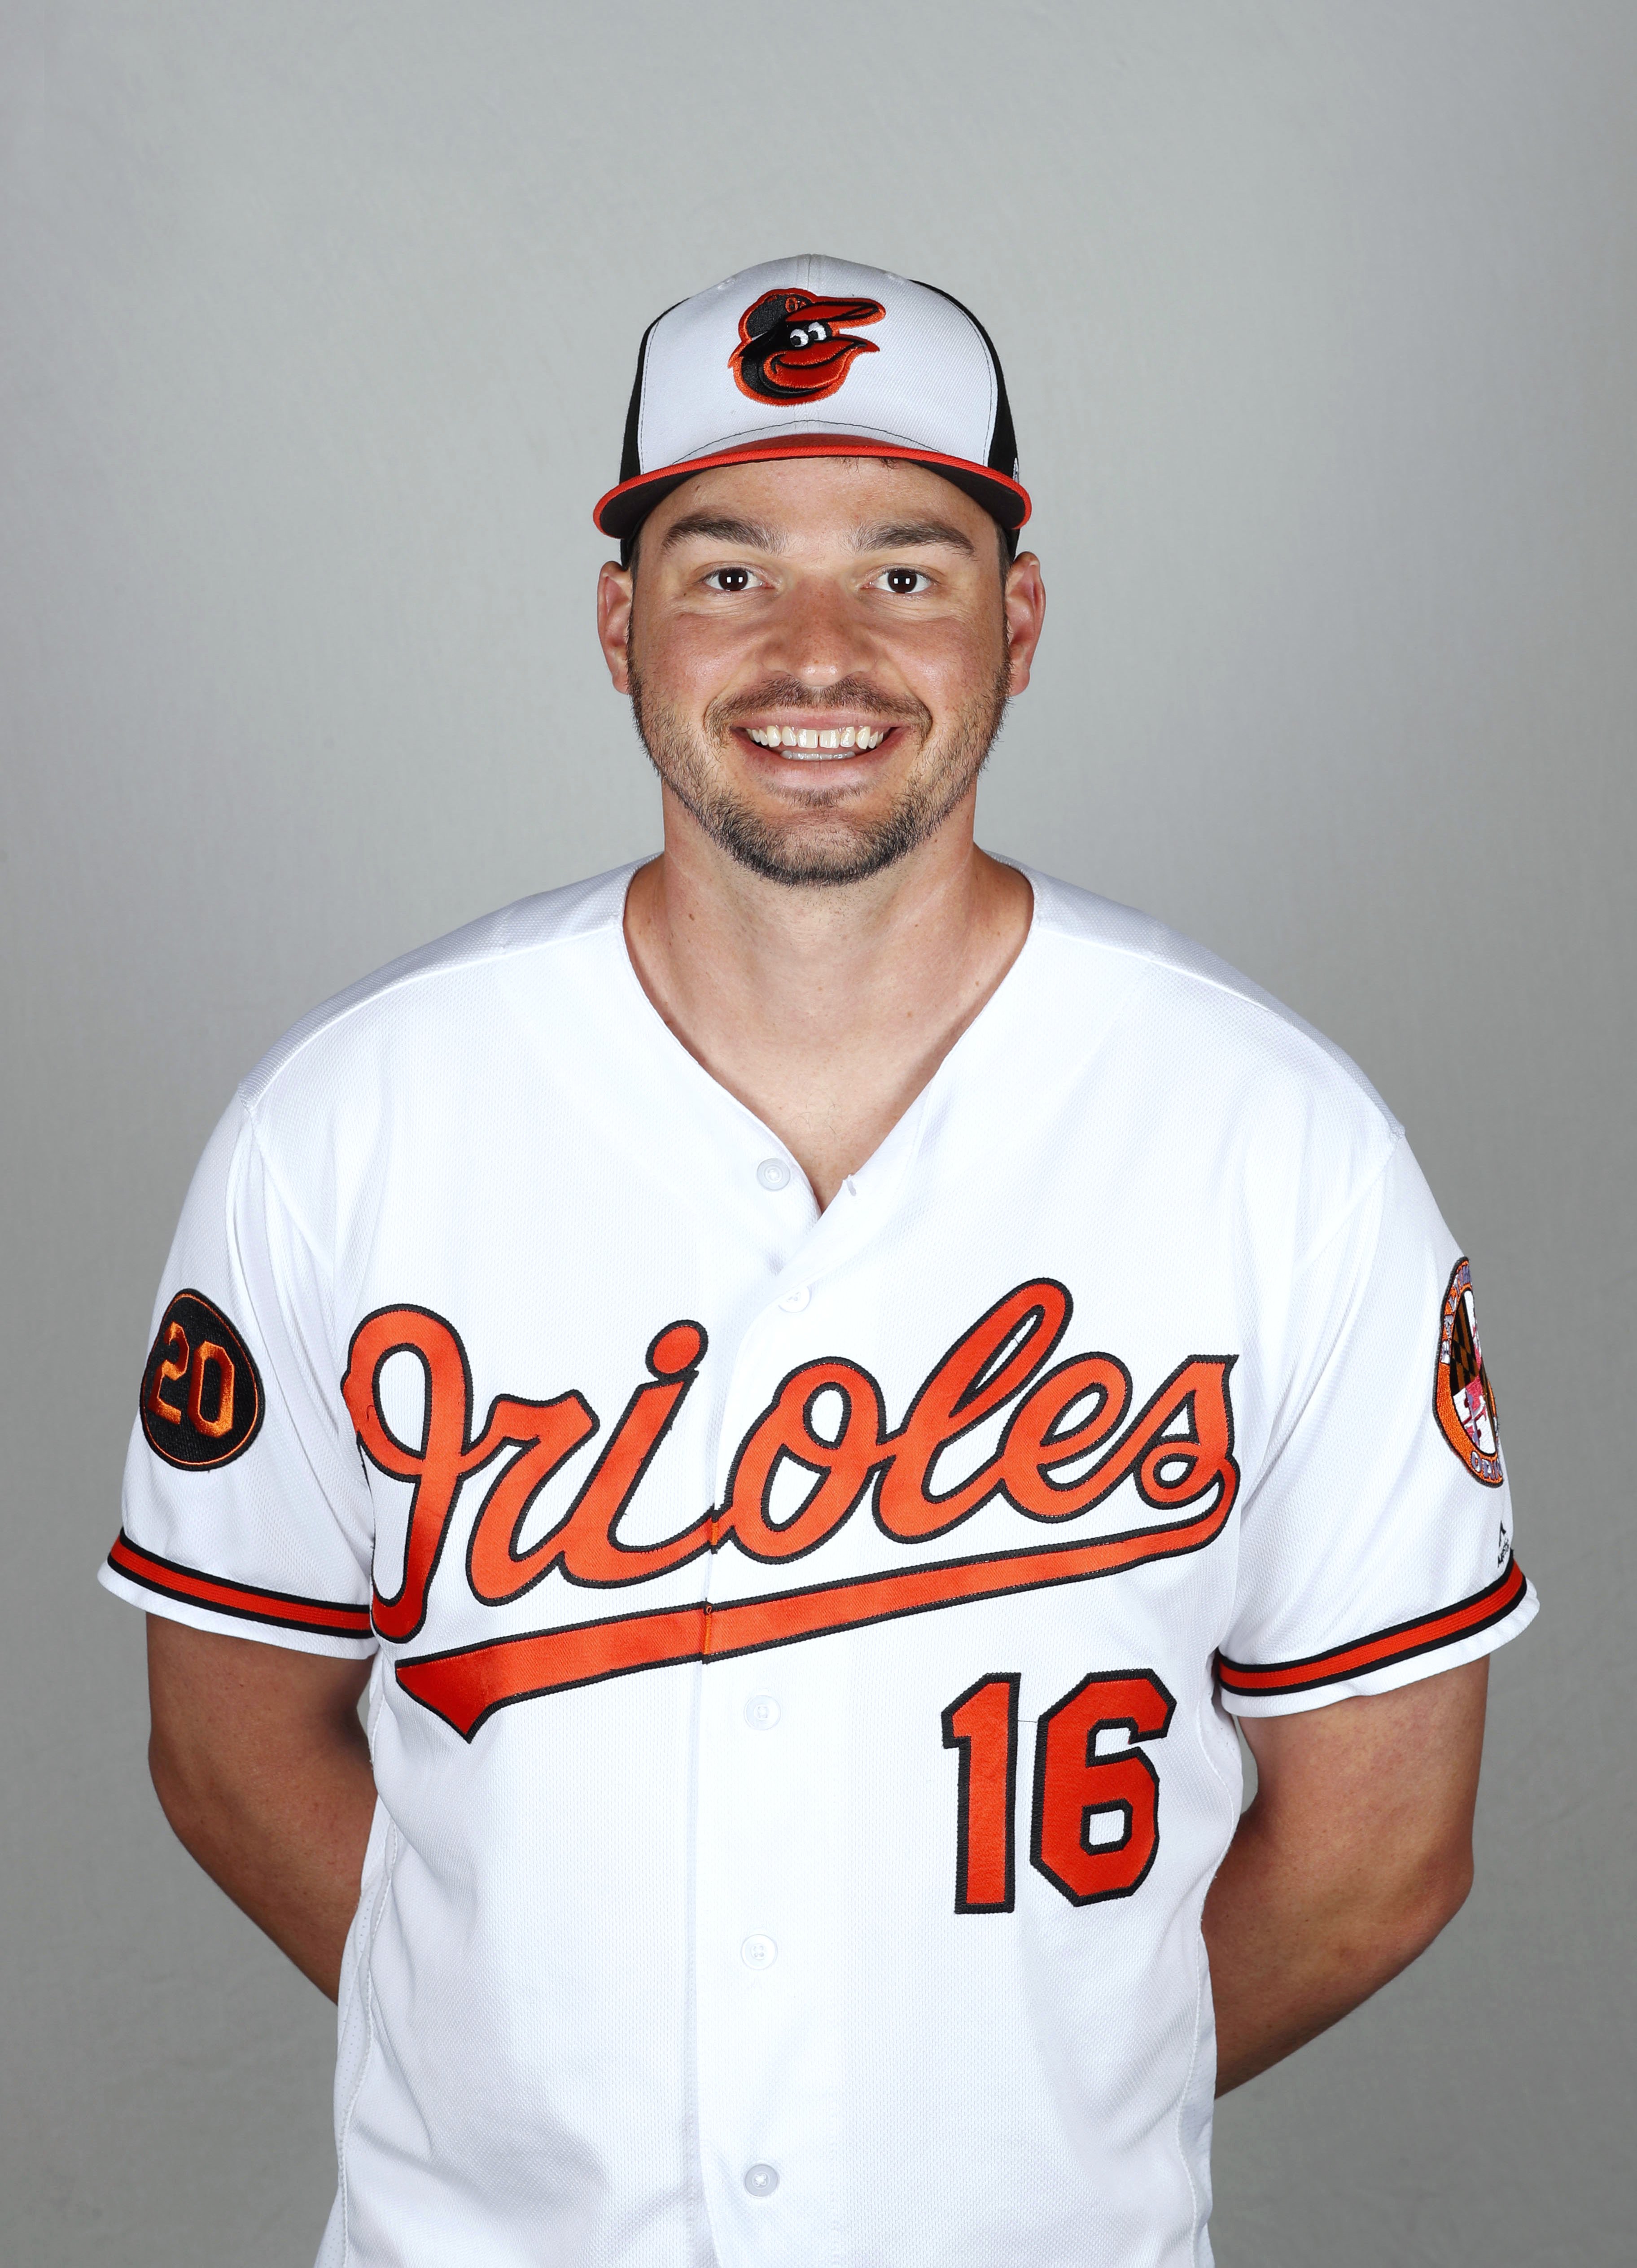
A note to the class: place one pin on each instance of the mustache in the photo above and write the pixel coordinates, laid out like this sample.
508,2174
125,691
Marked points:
790,693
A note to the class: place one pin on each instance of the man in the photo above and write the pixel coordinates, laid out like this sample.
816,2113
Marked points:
813,1379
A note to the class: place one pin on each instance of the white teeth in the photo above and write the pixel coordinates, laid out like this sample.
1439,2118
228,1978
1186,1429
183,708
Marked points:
801,741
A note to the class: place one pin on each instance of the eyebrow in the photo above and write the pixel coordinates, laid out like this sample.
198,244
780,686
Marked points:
753,535
911,534
716,527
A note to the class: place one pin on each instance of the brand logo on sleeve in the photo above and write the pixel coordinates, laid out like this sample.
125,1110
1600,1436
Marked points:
821,1452
1464,1401
792,347
201,1403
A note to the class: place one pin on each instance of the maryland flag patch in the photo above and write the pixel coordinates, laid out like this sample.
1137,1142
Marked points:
1464,1401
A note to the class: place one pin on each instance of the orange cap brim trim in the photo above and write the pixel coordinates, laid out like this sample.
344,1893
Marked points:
618,512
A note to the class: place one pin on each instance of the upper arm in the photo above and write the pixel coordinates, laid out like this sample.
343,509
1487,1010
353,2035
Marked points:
1375,1534
246,1504
237,1708
1377,1791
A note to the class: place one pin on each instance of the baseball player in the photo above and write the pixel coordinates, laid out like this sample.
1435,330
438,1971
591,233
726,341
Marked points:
810,1382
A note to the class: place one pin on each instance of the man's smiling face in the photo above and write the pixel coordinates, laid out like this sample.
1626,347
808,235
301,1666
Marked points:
819,651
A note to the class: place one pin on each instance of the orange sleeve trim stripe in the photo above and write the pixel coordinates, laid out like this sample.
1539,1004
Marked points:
1404,1640
284,1609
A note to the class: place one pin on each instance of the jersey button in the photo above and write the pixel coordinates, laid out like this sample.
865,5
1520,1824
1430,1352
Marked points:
773,1173
758,1952
760,2181
760,1713
794,1302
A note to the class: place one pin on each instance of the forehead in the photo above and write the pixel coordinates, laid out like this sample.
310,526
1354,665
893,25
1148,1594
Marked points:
824,501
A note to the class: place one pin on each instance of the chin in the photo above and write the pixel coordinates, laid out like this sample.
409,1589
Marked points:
823,856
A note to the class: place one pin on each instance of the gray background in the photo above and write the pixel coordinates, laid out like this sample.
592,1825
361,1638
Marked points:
316,325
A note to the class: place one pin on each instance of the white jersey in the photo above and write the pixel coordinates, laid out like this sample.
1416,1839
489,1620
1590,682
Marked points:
801,1643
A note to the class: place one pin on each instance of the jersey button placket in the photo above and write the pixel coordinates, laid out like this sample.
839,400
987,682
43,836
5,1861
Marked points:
755,1932
751,1932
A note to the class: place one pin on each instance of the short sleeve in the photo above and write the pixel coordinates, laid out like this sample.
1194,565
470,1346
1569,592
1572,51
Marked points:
1376,1540
244,1507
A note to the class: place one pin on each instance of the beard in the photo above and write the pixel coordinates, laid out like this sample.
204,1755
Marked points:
819,843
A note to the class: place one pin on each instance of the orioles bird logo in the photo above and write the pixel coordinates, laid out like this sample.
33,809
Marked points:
791,348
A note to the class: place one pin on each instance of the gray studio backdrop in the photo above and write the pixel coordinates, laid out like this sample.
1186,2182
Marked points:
316,325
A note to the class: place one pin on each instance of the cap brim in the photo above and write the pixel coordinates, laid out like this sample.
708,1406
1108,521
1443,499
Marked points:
626,506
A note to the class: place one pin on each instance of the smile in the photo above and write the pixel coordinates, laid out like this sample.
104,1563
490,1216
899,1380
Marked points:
799,742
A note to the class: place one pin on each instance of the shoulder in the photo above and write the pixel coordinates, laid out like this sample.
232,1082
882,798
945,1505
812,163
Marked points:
1185,984
451,983
1213,1060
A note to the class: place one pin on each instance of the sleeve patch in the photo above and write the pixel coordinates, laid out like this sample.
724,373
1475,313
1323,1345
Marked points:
202,1401
1464,1401
286,1608
1385,1648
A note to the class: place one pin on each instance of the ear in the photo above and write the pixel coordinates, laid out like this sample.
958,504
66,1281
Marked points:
614,604
1026,617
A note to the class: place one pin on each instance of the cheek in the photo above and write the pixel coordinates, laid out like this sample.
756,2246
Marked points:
951,666
689,660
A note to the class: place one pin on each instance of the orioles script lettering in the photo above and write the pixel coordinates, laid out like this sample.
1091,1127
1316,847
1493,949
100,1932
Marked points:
1066,1446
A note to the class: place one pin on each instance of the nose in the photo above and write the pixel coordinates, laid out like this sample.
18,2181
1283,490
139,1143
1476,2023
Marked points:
817,633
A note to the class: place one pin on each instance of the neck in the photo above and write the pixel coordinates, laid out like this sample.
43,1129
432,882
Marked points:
824,1011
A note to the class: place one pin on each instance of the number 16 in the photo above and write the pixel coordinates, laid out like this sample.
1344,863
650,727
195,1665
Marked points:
1074,1785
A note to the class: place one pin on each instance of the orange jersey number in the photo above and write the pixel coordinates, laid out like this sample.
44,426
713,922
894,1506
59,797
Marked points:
1097,1812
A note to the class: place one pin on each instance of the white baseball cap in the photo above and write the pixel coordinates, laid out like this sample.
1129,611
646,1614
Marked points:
816,358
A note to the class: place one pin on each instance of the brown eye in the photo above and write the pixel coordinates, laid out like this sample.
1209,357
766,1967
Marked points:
730,579
904,582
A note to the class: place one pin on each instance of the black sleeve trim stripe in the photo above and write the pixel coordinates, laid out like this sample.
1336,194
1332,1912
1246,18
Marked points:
284,1609
1402,1641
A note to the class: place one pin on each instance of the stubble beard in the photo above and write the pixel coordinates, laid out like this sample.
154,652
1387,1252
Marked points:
820,844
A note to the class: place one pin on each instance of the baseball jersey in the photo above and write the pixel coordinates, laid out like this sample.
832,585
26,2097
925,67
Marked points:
805,1645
